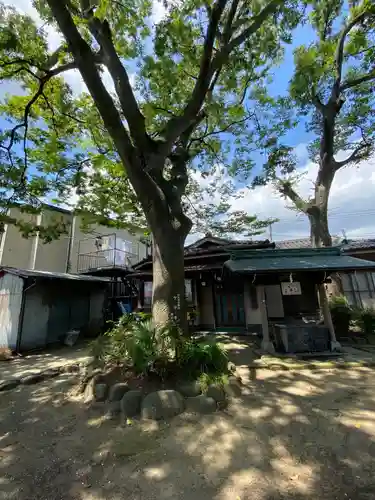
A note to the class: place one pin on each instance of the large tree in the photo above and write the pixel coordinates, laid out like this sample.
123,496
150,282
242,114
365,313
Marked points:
181,110
332,91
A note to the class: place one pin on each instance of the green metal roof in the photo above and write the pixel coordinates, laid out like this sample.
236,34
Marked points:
311,259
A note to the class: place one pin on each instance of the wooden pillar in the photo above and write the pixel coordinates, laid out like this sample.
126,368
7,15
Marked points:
141,295
267,345
323,302
247,303
194,287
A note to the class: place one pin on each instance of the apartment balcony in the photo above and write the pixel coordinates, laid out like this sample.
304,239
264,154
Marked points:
105,253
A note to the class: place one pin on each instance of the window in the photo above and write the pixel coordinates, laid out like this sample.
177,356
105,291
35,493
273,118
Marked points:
147,293
359,288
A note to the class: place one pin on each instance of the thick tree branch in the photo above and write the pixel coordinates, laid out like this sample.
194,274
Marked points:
339,58
227,33
285,188
360,153
318,104
357,81
211,64
256,23
177,125
86,63
42,69
150,194
135,119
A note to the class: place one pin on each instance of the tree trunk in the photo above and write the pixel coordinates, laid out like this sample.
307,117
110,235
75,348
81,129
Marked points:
319,232
318,211
168,294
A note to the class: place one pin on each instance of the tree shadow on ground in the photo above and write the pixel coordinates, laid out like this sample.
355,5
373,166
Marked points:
292,435
242,350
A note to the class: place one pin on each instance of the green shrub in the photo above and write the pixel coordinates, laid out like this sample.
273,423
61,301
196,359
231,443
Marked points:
157,350
341,313
202,357
366,320
138,343
207,379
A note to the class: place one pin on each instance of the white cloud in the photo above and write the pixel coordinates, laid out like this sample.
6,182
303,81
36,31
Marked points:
351,204
158,11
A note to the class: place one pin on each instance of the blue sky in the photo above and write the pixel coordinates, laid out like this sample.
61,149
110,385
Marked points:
351,204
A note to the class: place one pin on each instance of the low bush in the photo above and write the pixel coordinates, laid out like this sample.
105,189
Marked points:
138,343
366,320
207,379
202,357
158,350
341,313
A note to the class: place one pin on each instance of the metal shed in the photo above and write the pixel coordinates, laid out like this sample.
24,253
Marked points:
38,307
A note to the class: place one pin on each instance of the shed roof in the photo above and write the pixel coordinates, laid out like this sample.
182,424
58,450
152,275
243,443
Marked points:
312,259
33,273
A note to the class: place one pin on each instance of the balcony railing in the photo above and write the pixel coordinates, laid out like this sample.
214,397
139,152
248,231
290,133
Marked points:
104,251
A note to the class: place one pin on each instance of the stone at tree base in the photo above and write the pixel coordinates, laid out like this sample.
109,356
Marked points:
233,388
117,391
231,367
33,378
50,373
217,393
100,392
71,368
189,389
131,403
96,390
114,409
162,404
7,385
201,404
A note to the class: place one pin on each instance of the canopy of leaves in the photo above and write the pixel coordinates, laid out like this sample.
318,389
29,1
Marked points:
54,143
331,91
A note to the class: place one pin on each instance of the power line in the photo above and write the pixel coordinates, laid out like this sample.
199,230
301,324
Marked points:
330,216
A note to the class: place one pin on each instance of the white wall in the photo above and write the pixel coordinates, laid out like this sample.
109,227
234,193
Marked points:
26,253
16,250
10,307
53,256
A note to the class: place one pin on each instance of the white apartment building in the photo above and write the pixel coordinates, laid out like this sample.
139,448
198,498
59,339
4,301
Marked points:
77,251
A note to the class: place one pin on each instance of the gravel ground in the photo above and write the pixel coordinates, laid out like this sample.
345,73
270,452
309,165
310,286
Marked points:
293,435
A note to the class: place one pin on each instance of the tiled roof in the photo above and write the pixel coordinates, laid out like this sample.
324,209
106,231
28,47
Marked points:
362,244
222,248
297,259
304,243
346,246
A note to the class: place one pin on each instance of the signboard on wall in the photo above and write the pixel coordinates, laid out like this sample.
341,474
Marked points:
293,288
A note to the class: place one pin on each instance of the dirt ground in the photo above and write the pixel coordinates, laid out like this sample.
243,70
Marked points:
20,366
292,435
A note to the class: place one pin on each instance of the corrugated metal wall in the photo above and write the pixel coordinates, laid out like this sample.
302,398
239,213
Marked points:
35,318
54,307
10,306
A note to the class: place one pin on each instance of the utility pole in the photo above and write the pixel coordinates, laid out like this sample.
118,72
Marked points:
270,227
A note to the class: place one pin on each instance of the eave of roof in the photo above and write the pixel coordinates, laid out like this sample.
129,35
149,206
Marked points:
33,273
